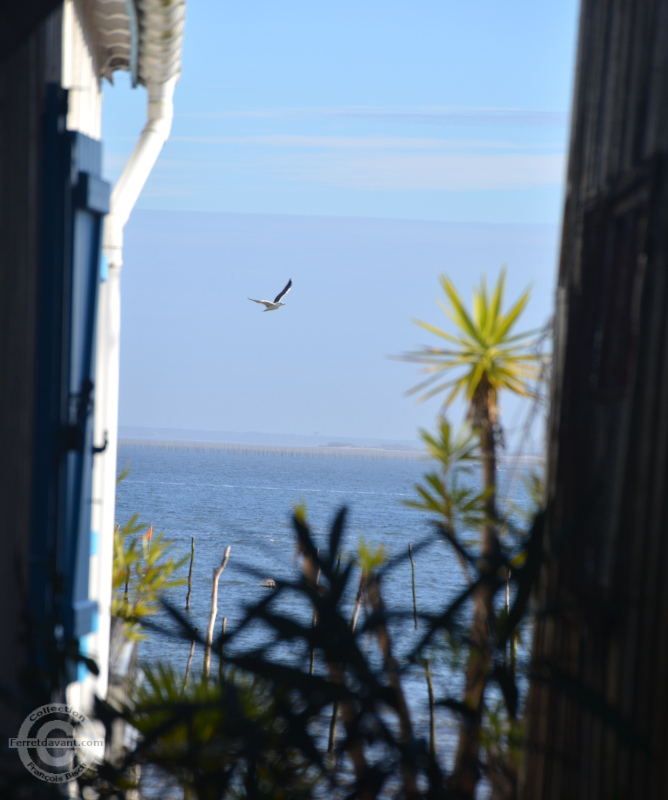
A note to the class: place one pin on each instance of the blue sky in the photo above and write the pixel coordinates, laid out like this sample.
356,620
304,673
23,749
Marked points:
291,115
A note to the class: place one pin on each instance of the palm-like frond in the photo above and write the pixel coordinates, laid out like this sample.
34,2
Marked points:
482,349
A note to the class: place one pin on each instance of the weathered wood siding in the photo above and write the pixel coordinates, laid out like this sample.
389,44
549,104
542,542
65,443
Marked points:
598,706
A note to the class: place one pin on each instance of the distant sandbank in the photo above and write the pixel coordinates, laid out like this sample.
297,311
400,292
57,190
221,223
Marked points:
332,449
324,451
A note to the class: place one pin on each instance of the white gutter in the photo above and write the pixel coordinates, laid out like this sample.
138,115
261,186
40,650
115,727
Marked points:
160,112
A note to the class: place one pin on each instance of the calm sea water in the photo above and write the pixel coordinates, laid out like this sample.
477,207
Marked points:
244,499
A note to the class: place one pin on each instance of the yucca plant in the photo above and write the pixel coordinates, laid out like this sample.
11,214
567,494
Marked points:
485,357
446,494
490,357
482,358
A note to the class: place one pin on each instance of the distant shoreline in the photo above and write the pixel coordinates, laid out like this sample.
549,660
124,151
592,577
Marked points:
342,450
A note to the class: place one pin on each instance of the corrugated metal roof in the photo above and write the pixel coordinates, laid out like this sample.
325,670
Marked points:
114,35
161,25
142,36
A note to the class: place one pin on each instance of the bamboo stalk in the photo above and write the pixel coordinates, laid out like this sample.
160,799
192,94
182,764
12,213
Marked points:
354,741
332,727
512,639
391,665
190,572
410,555
358,603
432,712
335,709
314,620
217,572
355,746
190,660
353,624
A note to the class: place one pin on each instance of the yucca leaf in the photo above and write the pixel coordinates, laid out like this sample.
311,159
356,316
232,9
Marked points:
510,318
461,316
437,331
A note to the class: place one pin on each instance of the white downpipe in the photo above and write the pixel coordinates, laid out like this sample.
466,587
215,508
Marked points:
123,198
160,112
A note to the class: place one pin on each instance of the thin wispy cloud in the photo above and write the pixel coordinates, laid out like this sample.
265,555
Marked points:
388,171
363,142
369,163
429,171
427,115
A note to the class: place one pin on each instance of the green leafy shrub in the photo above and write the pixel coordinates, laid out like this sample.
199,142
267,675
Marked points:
143,571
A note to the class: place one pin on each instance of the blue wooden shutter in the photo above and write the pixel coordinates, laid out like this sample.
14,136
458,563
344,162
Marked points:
90,203
74,202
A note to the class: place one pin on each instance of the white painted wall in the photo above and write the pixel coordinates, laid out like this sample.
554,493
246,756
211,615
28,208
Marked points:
80,69
79,75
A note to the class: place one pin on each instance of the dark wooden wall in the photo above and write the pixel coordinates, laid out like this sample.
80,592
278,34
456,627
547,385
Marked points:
24,75
598,705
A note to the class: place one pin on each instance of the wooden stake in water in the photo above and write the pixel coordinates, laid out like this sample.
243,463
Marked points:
190,573
217,572
410,555
190,660
126,593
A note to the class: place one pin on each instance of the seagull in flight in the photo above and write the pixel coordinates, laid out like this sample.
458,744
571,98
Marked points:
272,305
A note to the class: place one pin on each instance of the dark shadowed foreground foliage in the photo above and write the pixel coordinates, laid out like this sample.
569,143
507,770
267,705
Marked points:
260,726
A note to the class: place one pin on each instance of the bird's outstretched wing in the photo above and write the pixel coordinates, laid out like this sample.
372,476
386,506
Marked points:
282,293
262,302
